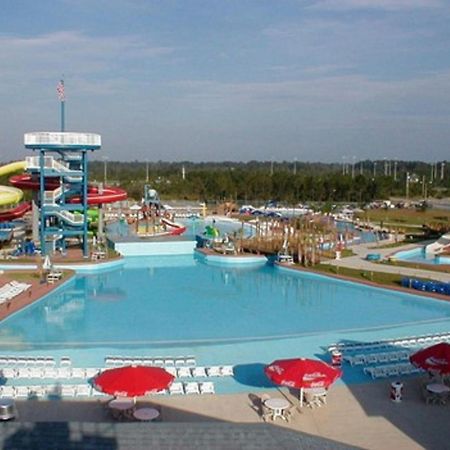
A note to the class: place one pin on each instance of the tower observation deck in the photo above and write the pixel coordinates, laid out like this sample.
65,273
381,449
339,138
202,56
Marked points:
61,169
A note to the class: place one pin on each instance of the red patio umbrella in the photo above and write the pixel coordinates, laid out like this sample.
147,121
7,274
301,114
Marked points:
302,373
435,358
133,381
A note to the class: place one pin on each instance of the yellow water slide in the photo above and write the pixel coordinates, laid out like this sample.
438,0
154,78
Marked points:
10,195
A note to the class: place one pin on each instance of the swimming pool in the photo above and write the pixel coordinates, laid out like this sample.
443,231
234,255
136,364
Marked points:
181,305
418,255
193,226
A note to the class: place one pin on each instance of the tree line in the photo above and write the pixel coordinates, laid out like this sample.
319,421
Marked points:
288,182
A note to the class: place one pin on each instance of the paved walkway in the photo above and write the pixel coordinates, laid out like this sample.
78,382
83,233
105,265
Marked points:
359,262
357,415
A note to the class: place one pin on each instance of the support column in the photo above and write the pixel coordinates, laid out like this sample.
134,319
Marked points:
41,200
85,205
35,217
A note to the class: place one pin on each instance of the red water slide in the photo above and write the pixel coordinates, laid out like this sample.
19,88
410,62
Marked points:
110,194
15,213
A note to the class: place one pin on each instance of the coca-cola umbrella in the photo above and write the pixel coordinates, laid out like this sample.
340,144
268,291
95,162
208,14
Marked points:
302,373
132,381
433,359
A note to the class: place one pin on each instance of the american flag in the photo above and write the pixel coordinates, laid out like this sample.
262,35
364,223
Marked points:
60,91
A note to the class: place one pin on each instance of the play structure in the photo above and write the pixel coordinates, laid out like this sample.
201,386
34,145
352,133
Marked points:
442,245
153,220
57,177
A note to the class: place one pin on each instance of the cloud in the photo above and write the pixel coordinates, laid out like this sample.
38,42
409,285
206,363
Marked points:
389,5
71,52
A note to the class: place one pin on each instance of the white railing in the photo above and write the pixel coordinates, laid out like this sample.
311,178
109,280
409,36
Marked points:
50,197
74,219
33,162
63,139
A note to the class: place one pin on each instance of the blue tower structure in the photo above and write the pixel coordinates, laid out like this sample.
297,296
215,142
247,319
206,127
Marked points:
61,168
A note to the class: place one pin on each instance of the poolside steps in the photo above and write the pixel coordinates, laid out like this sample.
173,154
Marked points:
411,341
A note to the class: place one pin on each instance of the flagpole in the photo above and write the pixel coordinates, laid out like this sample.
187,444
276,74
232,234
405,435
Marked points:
63,102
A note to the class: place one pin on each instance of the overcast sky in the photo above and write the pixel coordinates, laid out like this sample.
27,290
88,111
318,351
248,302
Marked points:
231,79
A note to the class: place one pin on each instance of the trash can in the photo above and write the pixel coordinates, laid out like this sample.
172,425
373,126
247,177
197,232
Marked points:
7,409
336,358
396,391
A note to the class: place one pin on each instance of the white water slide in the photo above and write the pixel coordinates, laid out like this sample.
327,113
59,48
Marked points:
442,244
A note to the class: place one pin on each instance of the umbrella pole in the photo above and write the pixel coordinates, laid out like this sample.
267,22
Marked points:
301,397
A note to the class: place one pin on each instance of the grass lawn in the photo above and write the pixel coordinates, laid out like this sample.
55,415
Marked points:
381,278
406,218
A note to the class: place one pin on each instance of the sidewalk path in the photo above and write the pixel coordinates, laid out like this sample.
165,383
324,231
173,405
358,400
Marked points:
359,262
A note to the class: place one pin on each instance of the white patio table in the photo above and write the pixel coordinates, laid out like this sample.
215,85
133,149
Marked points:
277,405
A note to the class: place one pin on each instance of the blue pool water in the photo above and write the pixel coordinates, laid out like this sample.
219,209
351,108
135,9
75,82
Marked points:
177,300
180,305
193,227
418,255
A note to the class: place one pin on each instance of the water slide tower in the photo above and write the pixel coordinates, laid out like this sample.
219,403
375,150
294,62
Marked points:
61,168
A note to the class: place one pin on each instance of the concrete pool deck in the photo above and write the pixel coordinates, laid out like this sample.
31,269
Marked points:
357,415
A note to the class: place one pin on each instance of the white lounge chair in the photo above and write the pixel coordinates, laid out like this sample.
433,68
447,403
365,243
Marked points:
199,372
65,361
184,372
8,391
83,390
91,372
21,392
171,370
191,388
68,390
78,372
213,371
227,371
176,388
207,387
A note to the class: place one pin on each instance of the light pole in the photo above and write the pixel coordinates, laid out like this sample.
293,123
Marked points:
374,169
407,185
353,166
295,166
395,170
146,170
105,170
